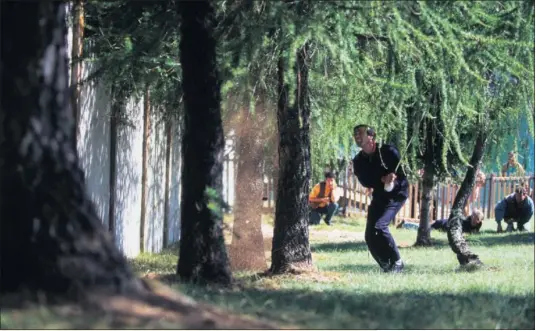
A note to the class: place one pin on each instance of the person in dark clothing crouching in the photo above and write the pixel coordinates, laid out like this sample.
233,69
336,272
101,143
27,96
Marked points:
375,167
471,224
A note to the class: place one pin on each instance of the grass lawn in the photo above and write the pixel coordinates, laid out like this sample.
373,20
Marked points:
348,291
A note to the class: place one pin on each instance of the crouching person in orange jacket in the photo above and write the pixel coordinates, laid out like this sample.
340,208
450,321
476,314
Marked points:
323,200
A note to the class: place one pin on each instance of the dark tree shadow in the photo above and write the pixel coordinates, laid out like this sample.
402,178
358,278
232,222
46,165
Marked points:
345,246
399,310
514,238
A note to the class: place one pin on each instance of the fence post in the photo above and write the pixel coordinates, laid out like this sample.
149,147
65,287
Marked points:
490,195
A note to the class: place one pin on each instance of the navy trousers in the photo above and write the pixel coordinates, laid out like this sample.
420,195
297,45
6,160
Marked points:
316,214
379,240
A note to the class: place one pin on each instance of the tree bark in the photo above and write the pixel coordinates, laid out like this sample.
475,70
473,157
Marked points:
52,239
247,246
456,240
117,105
169,142
290,246
433,145
144,163
76,56
423,233
202,256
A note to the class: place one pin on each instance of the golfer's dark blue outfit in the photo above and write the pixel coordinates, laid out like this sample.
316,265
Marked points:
384,205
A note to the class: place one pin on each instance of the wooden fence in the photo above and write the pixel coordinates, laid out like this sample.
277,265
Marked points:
358,198
443,196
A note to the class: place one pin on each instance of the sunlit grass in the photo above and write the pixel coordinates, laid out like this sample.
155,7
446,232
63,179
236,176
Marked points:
349,291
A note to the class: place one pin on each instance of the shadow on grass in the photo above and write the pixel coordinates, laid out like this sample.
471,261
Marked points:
515,238
399,310
345,246
409,269
485,238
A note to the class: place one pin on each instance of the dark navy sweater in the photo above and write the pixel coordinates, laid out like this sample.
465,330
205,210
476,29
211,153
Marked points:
370,168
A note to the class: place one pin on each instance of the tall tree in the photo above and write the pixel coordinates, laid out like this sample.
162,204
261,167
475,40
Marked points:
290,246
457,242
202,256
52,239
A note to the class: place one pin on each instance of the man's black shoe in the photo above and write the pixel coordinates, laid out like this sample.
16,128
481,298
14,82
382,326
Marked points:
395,268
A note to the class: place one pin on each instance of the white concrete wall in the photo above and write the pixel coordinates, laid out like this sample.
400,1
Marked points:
154,218
174,217
94,137
128,180
94,154
94,143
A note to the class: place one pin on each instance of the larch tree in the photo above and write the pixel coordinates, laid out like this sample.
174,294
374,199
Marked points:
249,116
52,239
202,256
506,42
434,80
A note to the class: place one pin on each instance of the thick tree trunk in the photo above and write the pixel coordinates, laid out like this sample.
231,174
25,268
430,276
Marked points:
202,257
247,246
456,240
290,247
52,239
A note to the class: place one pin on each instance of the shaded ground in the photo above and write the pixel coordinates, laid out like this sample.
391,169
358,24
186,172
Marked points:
163,309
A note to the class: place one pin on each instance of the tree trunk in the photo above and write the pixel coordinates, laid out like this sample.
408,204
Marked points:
275,167
290,247
202,256
52,239
247,246
169,142
76,56
456,240
117,105
144,163
423,233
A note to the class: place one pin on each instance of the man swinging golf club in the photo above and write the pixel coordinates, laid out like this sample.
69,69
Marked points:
376,167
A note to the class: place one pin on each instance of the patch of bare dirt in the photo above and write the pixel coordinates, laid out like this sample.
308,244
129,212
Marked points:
320,277
405,244
336,235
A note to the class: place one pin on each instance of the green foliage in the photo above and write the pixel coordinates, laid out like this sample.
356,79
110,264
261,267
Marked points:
370,62
135,45
454,49
214,202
